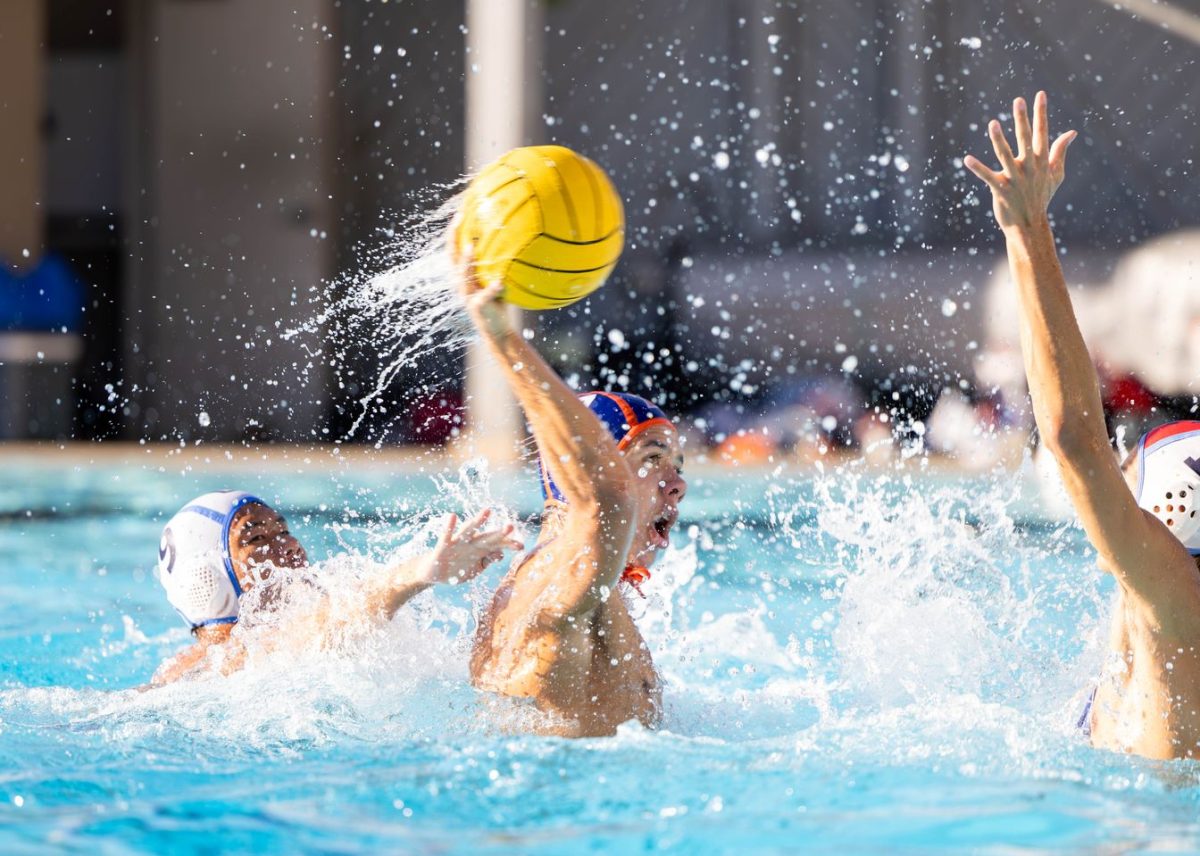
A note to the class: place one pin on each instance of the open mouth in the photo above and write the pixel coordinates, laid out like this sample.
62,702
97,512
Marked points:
662,529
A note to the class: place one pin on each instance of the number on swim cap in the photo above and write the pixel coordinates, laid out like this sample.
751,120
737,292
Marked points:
167,547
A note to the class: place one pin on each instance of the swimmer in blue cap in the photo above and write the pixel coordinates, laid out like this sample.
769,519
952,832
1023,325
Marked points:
222,544
1140,517
558,630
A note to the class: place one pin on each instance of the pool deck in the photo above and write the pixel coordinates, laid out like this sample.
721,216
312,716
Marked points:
221,457
283,457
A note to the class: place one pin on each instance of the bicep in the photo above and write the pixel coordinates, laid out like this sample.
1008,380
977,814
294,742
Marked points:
1132,543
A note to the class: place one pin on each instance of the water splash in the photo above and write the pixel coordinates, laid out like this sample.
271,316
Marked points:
405,311
950,631
930,626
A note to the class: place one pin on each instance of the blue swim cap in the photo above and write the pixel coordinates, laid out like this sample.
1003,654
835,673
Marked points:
624,415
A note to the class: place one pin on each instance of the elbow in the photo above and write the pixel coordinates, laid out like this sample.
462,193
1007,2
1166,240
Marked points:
1065,436
1053,435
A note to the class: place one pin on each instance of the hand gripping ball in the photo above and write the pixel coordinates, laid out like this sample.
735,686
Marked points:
544,220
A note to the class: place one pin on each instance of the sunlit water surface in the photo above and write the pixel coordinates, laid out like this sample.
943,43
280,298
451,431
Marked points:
852,663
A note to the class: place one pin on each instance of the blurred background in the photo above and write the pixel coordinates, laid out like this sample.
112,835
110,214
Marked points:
808,265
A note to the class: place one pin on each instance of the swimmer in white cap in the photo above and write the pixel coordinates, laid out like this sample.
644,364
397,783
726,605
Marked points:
221,544
1140,517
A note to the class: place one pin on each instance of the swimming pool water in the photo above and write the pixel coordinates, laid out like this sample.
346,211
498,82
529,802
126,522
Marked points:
853,663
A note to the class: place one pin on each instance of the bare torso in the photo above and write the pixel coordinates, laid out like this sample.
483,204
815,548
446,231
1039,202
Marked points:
1148,700
590,672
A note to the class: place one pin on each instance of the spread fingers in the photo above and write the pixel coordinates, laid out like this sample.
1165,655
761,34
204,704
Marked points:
1058,151
987,176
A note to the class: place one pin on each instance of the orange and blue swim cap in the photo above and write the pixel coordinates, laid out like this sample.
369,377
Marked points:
624,415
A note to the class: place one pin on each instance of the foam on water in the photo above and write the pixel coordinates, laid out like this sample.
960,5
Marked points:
317,672
928,606
927,614
932,636
949,637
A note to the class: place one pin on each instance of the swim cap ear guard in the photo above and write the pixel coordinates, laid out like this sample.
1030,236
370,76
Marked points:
194,562
1169,479
624,415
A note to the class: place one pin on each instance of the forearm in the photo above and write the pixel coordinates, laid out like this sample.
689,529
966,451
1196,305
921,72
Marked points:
1062,379
381,596
583,455
403,582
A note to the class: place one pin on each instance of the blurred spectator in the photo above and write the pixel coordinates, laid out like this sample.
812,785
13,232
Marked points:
805,418
435,418
874,436
1156,295
746,448
970,432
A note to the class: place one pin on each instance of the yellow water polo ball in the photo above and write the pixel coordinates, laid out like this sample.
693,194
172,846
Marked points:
547,222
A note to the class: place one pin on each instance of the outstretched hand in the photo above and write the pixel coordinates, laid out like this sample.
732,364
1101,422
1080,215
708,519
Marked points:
1022,189
460,556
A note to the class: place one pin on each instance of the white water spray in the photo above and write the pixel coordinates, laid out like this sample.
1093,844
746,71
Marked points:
409,311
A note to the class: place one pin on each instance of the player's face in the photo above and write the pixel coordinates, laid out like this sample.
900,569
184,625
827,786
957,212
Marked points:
259,541
656,458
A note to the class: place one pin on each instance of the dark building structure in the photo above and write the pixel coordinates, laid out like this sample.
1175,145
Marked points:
791,171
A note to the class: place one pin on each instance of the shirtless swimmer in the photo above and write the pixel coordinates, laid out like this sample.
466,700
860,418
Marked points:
558,630
224,543
1140,517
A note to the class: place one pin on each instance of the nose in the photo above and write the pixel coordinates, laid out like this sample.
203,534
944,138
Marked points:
294,553
676,488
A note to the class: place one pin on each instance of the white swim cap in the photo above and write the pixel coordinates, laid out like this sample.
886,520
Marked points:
1169,479
194,563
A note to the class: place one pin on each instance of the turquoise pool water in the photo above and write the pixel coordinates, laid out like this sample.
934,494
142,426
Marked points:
853,664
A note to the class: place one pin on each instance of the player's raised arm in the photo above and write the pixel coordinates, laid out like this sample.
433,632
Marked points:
558,629
1062,379
581,454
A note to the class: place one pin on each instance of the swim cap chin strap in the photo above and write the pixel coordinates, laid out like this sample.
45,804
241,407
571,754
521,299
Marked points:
1169,479
635,575
194,562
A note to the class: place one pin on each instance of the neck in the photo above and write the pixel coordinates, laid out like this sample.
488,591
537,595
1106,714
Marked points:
213,634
